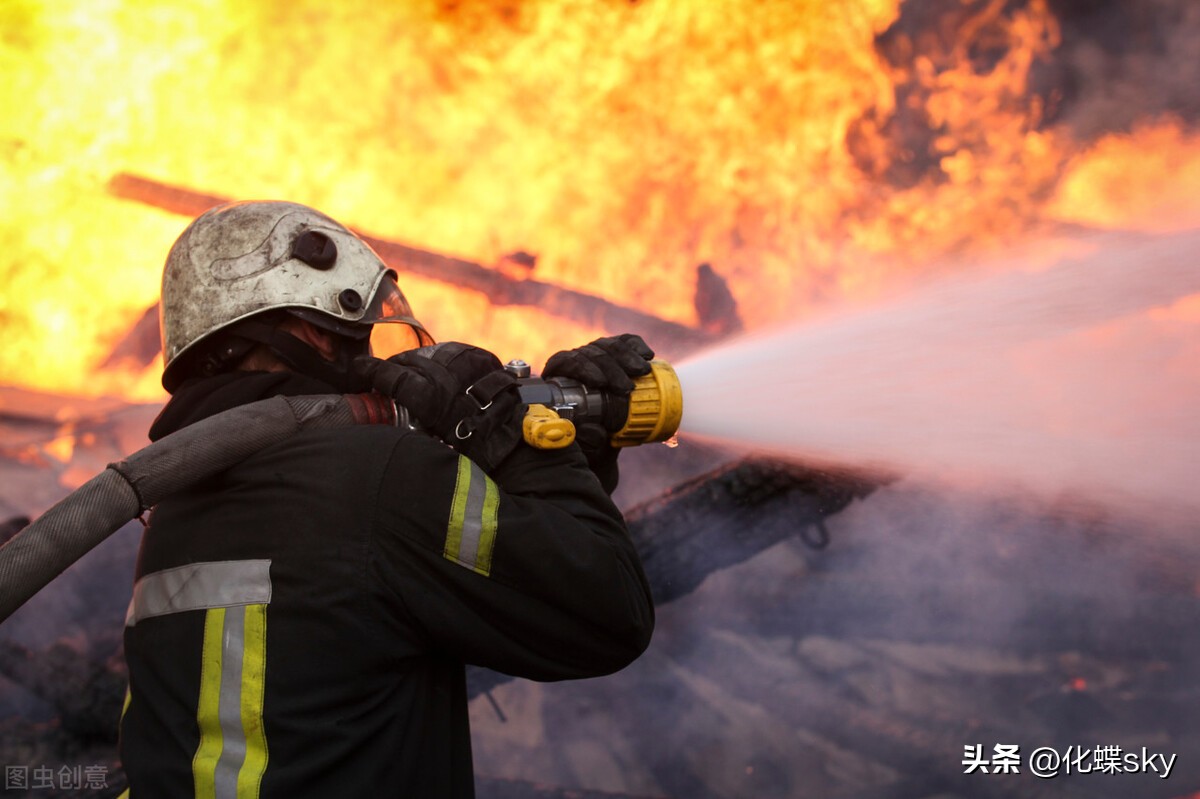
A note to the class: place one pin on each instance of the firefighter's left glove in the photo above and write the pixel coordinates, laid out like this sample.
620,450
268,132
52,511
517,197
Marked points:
607,364
457,392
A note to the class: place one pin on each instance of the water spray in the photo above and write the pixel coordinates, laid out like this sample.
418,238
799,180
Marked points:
1078,383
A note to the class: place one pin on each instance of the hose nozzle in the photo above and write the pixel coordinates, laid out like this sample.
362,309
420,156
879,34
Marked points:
655,407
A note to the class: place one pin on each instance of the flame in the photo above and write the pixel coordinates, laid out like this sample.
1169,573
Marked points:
1144,181
62,446
811,151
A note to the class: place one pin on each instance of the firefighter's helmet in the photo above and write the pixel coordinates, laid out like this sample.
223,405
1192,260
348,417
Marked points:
242,259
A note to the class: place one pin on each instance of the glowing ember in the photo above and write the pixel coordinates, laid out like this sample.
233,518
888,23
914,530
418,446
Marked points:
62,447
810,151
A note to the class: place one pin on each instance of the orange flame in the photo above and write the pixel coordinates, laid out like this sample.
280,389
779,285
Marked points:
622,143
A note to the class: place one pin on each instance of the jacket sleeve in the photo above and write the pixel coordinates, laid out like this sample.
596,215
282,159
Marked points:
529,571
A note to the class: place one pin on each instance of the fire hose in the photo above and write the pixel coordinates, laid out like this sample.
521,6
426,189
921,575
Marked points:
127,489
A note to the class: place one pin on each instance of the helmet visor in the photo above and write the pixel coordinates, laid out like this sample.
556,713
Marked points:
394,329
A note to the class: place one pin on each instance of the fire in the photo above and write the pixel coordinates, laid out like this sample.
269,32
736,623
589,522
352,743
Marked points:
1144,181
810,151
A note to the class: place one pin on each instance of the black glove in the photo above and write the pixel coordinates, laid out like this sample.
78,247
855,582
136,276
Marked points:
457,392
608,365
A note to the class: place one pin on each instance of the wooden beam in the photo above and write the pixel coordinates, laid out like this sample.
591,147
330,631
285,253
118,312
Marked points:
673,338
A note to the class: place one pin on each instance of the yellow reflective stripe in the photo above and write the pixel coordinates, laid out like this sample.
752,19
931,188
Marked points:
458,510
254,668
128,699
204,764
232,755
487,536
474,511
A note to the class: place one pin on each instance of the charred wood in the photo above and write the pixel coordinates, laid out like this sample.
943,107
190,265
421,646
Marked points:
728,516
716,308
673,338
86,694
140,345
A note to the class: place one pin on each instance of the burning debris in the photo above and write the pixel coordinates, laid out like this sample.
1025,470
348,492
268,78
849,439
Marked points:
821,155
684,536
815,157
716,308
498,287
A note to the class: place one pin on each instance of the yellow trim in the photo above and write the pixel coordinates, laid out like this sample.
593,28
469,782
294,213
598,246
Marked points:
204,764
487,535
254,668
458,510
655,407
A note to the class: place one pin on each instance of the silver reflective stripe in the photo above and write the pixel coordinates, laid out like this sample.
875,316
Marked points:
472,525
199,586
474,517
229,707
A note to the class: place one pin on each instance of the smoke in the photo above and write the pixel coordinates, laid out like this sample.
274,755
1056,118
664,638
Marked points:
1081,109
1106,66
934,620
1079,380
1121,62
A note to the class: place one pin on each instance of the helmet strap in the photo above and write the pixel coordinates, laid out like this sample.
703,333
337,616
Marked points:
305,359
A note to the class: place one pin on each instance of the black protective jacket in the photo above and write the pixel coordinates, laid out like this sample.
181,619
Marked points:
300,623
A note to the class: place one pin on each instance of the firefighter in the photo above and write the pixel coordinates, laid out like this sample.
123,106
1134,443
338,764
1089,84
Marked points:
299,624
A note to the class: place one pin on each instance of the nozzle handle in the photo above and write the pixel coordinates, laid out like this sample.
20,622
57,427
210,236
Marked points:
542,428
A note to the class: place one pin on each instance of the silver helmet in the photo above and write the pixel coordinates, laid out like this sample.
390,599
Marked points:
239,260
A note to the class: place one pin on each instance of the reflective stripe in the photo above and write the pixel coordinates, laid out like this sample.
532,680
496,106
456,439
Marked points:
474,511
229,704
254,679
232,755
458,510
204,764
200,586
490,519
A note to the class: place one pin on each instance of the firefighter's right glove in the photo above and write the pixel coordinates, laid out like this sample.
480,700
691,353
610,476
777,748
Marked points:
457,392
609,365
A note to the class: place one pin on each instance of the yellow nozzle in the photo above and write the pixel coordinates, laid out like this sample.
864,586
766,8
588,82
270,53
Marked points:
545,429
655,407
